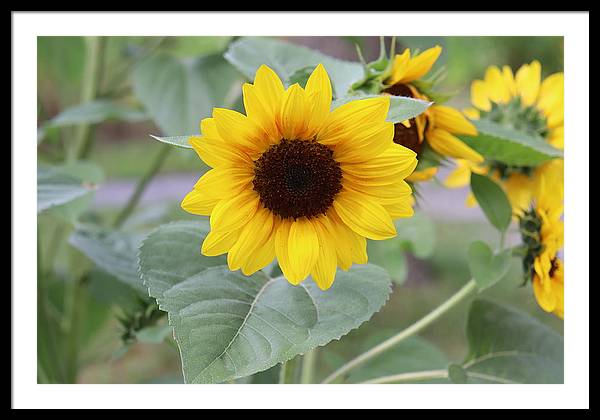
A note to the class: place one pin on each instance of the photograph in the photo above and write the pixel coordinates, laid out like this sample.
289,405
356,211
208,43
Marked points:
299,208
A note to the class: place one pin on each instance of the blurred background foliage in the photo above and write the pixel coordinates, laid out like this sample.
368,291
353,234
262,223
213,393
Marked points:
99,351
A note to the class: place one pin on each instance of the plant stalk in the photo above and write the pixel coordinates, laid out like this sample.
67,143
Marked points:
308,367
404,334
410,376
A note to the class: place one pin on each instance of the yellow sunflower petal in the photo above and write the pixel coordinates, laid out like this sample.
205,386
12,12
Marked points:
375,140
448,145
224,182
199,202
347,121
551,99
423,175
282,235
545,298
237,129
217,243
263,114
420,65
471,113
252,236
319,93
528,79
215,152
396,160
234,212
364,216
496,85
452,120
303,247
323,272
479,96
294,114
399,67
400,209
208,128
509,81
557,137
460,176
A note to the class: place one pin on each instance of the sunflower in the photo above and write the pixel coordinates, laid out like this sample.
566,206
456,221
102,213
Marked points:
438,126
295,181
526,104
542,231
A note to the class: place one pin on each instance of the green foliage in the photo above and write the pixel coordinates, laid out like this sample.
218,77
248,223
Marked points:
94,112
248,54
401,108
486,268
507,346
57,186
179,93
229,326
112,251
499,143
492,200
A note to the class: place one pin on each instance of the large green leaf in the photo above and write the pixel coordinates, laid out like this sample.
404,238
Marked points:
492,200
113,251
486,268
55,188
389,255
401,108
248,54
504,144
178,93
93,113
507,346
228,325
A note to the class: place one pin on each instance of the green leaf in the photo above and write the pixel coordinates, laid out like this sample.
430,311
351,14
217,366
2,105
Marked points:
93,113
492,200
248,54
55,187
179,93
487,269
507,346
179,141
504,144
90,175
401,108
412,355
113,251
228,325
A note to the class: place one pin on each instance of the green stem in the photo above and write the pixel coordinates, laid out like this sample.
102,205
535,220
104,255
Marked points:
308,367
93,62
404,334
409,377
157,163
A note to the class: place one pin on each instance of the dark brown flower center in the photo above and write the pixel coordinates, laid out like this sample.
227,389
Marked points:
405,136
297,178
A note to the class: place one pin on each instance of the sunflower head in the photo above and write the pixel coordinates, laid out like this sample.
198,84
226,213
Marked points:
525,104
295,181
542,233
432,135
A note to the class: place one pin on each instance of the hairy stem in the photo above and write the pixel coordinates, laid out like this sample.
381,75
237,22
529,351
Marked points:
404,334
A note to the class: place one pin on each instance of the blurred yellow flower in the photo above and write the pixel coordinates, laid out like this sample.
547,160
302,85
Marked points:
439,125
542,230
527,104
295,181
